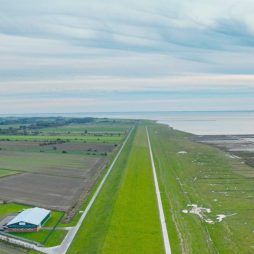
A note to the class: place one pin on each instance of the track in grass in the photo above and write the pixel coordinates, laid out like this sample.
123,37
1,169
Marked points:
124,218
191,173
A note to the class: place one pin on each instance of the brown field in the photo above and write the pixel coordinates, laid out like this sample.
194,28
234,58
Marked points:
68,146
10,249
54,192
69,165
54,181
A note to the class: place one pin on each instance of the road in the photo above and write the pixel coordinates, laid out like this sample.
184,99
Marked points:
160,207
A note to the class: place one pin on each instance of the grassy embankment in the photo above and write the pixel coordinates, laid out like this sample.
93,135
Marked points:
124,218
6,172
211,179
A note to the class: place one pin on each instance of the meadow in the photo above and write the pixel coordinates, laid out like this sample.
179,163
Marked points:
196,174
125,213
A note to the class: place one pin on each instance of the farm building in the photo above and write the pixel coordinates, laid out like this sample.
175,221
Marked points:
28,220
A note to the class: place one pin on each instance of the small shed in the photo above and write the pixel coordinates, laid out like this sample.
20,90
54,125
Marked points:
31,219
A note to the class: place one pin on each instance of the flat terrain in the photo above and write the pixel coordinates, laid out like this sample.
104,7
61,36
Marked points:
54,163
206,186
8,249
53,181
40,146
207,195
53,192
238,146
124,217
51,164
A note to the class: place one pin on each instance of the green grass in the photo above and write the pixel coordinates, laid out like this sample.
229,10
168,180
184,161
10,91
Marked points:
48,237
88,138
6,172
41,236
55,238
95,127
208,177
125,213
9,208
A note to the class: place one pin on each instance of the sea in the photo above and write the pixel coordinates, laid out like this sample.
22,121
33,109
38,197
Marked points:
196,122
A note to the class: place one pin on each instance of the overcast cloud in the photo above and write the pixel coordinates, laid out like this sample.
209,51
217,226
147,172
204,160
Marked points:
69,56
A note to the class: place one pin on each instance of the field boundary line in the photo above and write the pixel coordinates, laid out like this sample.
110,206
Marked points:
159,202
63,248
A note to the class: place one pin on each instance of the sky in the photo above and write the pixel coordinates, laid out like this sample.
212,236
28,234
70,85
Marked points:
107,55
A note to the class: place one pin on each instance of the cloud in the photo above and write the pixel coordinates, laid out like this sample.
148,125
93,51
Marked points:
65,49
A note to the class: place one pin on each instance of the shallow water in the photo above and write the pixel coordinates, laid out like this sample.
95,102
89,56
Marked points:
201,123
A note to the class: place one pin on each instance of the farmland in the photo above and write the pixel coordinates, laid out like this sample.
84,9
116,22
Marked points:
206,192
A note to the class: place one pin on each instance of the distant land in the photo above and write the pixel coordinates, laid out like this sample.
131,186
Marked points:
196,122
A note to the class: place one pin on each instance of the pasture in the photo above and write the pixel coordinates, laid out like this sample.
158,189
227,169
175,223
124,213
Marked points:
207,195
125,213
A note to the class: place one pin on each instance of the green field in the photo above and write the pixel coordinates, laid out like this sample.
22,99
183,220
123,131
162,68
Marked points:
87,138
124,217
14,159
6,209
6,172
125,213
99,127
43,237
207,177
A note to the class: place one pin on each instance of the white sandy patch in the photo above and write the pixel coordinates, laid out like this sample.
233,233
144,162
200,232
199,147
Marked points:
233,156
182,152
221,217
199,211
202,213
209,221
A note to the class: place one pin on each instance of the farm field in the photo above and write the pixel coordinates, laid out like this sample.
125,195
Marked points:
58,147
78,137
9,249
125,213
207,195
51,164
52,172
